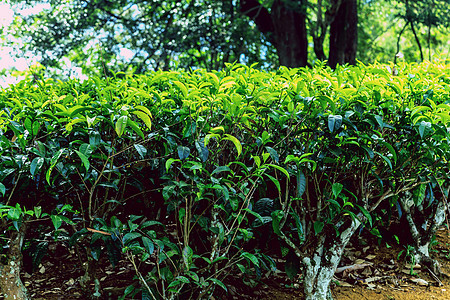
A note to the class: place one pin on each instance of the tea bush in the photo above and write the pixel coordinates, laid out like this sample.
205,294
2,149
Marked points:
184,170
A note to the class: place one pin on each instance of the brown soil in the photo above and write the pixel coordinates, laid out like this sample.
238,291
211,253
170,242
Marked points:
385,276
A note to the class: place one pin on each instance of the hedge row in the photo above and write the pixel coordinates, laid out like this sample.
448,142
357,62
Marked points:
188,170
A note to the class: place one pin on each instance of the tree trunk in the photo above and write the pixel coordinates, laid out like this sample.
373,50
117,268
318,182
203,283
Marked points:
423,227
319,270
291,38
284,26
11,287
343,34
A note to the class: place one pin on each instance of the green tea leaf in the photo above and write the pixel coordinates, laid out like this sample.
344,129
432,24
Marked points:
182,88
281,169
148,244
251,258
135,128
366,214
187,257
424,128
337,188
121,124
37,211
141,150
2,189
36,165
84,159
273,154
219,283
301,184
169,162
277,216
202,150
318,227
14,213
53,163
334,122
235,141
36,127
220,169
57,221
144,117
183,152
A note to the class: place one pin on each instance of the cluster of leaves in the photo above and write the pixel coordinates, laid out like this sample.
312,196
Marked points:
176,168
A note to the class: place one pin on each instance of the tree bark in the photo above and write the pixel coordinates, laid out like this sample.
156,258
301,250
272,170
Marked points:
284,26
423,227
319,269
343,34
11,286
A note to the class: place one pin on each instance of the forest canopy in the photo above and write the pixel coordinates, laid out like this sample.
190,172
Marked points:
140,35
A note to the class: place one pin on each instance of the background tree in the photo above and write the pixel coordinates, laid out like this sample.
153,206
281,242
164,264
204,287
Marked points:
138,35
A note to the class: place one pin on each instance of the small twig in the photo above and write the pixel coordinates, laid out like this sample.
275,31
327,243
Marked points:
434,276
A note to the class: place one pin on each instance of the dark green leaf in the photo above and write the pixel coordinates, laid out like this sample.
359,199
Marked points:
183,152
366,214
84,159
318,227
301,184
273,154
202,150
251,258
337,188
36,165
141,150
2,189
130,236
334,122
219,283
221,169
277,216
148,244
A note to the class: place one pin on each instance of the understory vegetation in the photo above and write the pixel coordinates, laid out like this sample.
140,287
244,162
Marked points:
197,176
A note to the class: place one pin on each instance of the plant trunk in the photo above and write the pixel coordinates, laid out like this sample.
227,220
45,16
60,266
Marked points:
422,231
319,271
343,34
89,281
11,286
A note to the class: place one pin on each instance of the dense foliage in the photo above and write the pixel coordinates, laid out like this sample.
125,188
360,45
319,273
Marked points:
188,171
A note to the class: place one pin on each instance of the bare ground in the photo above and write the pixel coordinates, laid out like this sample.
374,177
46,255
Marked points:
367,271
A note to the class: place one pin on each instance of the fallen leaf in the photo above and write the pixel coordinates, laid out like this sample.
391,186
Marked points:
372,279
352,267
370,256
419,281
416,266
367,272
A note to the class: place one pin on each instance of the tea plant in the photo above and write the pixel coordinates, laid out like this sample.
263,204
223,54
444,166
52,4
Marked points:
180,172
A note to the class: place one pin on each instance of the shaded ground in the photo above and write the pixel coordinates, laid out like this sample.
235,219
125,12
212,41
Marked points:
367,271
